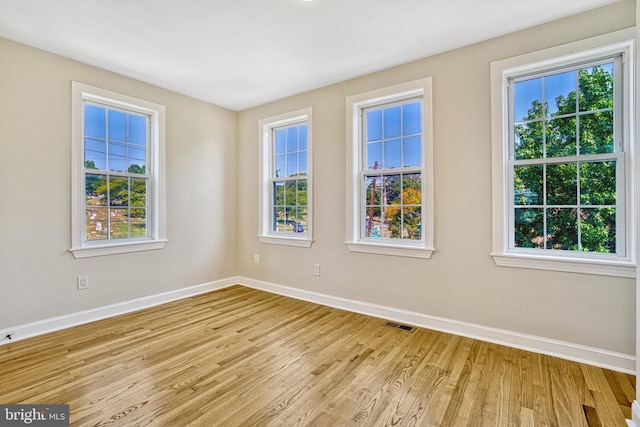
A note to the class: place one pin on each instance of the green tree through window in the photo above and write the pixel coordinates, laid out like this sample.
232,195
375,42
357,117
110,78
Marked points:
564,160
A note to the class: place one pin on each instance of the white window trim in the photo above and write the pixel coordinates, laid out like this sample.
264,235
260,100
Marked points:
354,155
265,211
157,218
501,71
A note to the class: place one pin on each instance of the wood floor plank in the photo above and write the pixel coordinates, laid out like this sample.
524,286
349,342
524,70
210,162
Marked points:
243,357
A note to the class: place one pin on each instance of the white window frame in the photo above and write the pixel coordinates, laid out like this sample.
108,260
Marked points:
266,172
622,264
356,165
156,218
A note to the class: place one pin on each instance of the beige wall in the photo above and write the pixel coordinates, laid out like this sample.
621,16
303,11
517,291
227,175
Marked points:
37,273
461,280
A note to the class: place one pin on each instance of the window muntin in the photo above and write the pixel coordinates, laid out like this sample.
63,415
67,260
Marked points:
117,173
289,179
566,160
392,141
116,182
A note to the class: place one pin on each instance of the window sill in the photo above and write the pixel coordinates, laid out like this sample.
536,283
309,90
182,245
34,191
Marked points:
390,249
566,264
120,248
286,241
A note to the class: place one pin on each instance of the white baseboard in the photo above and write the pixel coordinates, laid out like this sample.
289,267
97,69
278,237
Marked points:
635,415
57,323
566,350
580,353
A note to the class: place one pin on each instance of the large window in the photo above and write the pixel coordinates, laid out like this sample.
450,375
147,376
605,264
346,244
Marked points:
286,190
567,166
117,177
390,172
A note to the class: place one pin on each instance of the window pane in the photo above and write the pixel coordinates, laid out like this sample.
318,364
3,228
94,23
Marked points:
596,87
117,157
560,93
137,162
278,218
393,221
303,137
290,196
412,118
292,139
118,191
137,129
392,122
528,141
138,196
562,229
529,228
598,183
561,137
95,154
281,135
392,189
598,230
374,222
95,190
412,151
374,155
292,164
117,125
528,184
289,219
278,193
118,223
280,165
302,193
412,189
528,99
392,154
412,223
303,163
374,125
562,182
95,121
596,133
96,223
138,221
374,190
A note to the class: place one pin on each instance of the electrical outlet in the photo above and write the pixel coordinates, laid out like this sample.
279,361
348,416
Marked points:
256,258
316,269
83,282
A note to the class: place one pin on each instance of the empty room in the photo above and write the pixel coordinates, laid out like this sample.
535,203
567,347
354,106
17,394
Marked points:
318,213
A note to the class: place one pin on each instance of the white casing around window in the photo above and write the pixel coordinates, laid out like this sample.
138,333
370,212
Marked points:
622,265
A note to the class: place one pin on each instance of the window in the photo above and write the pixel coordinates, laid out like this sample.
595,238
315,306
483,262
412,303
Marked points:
285,187
390,171
117,175
566,165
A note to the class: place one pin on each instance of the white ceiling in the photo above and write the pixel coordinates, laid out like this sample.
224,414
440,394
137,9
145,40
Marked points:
243,53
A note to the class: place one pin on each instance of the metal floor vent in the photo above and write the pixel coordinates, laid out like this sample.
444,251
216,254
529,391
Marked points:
400,326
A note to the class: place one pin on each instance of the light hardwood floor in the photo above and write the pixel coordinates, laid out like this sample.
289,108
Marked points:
239,356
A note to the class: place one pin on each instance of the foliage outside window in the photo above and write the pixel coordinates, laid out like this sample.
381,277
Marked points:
285,179
116,173
567,165
390,197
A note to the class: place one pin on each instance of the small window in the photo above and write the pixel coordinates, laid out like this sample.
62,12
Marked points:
285,147
117,177
390,174
567,165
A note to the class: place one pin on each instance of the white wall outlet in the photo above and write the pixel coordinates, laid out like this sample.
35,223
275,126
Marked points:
83,282
316,269
256,258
